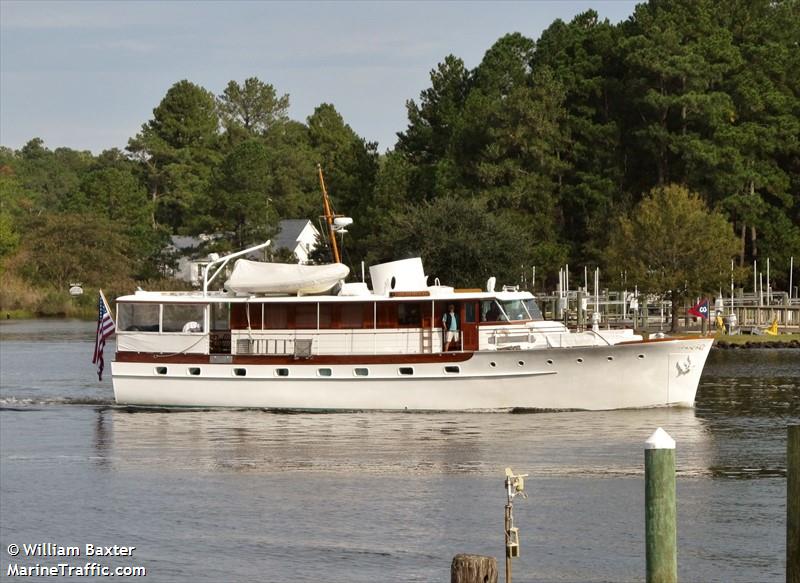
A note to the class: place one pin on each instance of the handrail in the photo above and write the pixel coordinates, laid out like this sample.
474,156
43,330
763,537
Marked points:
224,260
603,338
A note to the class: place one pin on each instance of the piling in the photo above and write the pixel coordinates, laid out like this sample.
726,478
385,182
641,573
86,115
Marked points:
661,551
473,569
793,505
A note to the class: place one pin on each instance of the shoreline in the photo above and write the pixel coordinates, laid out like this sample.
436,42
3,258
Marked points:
752,341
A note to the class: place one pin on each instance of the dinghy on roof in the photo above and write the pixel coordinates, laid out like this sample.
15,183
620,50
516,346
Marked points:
255,277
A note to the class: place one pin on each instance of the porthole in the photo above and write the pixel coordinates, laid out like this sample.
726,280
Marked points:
493,364
361,372
405,370
609,358
194,371
641,357
161,370
240,372
520,363
281,372
549,361
324,372
452,369
579,360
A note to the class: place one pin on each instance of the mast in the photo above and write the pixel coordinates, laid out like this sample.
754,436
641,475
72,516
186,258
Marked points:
329,217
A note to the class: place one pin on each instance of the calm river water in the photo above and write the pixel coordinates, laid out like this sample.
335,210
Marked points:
257,496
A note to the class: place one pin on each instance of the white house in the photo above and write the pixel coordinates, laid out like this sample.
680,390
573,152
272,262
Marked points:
191,261
298,236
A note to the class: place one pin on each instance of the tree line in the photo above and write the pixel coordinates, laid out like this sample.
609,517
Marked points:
545,153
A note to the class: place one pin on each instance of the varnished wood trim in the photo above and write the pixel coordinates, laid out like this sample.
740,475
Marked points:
409,294
365,359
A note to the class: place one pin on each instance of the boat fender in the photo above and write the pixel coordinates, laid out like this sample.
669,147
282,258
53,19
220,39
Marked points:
490,283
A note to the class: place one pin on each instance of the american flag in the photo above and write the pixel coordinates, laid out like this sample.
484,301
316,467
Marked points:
105,328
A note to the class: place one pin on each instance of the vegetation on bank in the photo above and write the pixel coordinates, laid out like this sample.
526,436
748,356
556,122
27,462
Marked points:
757,341
658,148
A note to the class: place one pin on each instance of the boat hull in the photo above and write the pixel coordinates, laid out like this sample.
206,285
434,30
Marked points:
639,374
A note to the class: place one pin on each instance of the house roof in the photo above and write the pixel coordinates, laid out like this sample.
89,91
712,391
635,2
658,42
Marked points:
182,243
289,232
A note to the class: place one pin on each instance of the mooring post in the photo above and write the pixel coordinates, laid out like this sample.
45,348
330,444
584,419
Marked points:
661,551
793,505
473,569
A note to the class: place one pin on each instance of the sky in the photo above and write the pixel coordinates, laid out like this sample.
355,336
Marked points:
87,75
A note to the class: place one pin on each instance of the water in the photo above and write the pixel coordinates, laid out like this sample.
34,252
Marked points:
258,496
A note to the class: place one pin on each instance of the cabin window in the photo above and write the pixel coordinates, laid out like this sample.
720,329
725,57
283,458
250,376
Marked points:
240,372
533,309
354,315
281,372
386,315
325,315
305,316
182,318
491,312
405,370
161,370
194,371
276,317
452,369
220,317
469,313
515,310
324,372
409,315
361,372
137,317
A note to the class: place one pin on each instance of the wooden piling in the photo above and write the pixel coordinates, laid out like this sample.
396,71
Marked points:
661,554
473,569
793,505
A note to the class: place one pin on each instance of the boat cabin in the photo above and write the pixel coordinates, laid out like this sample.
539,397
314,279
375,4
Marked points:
216,324
402,315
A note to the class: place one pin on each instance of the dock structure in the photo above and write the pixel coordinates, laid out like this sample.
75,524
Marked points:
635,309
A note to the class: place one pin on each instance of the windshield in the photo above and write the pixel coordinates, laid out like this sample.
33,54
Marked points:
533,309
506,311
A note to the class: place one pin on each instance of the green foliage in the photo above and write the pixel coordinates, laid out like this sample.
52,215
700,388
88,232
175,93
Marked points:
66,248
671,244
9,237
178,150
526,159
460,242
251,109
242,206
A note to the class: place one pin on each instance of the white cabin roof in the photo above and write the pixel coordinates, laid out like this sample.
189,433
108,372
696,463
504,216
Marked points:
195,297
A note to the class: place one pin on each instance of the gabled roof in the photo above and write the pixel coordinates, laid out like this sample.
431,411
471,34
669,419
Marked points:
182,243
289,232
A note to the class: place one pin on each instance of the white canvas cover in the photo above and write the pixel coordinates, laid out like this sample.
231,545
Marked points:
251,277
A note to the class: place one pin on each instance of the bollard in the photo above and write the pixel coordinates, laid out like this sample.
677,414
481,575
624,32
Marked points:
793,505
473,569
661,552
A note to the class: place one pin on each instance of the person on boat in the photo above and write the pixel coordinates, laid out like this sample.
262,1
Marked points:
450,323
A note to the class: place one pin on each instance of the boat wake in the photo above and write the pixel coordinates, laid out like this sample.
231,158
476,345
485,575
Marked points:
22,403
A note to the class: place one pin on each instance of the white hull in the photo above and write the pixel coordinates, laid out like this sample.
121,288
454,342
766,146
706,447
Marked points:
631,375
